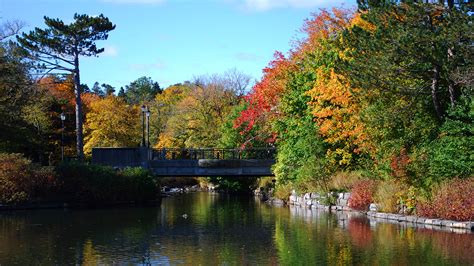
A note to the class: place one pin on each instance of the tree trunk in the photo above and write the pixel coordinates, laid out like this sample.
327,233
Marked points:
434,93
451,88
452,94
77,91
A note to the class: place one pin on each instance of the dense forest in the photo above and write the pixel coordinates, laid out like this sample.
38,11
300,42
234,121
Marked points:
376,99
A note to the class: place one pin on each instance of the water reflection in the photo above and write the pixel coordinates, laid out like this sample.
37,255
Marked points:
316,237
211,229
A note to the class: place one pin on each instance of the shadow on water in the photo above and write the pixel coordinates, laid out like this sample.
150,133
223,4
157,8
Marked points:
210,229
74,236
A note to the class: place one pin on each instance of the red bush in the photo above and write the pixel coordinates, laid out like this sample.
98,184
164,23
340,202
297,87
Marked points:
21,180
453,200
361,194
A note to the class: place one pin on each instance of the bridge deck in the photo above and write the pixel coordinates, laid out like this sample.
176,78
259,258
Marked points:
207,167
190,162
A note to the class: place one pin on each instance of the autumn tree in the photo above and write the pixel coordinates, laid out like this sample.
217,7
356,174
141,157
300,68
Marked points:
111,122
165,123
335,103
417,51
58,48
263,101
197,110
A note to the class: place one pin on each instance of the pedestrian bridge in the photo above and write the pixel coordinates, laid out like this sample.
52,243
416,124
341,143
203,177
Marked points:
172,162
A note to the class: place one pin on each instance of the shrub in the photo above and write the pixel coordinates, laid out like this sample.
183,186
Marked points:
21,180
283,191
266,183
361,194
138,184
452,200
395,196
80,182
344,181
388,195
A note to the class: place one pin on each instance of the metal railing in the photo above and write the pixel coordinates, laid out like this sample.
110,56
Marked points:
211,153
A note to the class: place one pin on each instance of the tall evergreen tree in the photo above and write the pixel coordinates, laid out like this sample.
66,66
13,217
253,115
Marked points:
142,90
96,89
58,47
108,89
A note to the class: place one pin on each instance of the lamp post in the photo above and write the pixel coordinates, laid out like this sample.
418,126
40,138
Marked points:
144,109
148,127
63,117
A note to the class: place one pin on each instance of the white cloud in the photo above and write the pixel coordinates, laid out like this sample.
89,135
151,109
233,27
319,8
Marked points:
264,5
134,1
110,51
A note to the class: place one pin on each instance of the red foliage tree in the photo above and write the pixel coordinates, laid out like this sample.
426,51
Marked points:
264,97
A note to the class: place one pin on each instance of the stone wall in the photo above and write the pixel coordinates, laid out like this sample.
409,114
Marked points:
318,202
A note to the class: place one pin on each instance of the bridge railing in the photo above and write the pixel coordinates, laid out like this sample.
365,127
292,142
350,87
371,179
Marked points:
211,153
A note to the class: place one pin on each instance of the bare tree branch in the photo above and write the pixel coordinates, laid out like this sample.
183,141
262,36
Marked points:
10,28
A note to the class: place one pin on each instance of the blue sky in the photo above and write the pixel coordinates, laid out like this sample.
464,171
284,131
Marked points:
172,41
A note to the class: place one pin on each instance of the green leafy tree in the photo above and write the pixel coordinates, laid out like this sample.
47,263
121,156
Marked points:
15,94
421,54
108,89
121,92
97,90
143,90
58,48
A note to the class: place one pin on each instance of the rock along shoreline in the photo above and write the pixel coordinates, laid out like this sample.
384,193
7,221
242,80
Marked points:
318,202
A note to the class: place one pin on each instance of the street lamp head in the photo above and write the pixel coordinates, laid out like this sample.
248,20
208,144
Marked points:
144,108
63,116
147,113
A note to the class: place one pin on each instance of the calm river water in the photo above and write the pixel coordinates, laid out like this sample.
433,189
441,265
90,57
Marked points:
212,229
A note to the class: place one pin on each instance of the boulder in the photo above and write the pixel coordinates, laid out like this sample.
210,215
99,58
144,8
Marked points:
373,207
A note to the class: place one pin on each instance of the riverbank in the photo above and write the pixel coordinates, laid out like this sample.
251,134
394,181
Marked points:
316,201
26,185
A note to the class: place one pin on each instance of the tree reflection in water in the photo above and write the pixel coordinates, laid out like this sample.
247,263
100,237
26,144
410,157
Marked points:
220,229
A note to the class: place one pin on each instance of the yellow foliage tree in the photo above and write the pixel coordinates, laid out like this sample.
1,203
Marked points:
167,125
337,112
196,115
112,123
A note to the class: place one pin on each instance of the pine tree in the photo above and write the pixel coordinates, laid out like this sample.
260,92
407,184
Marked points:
58,47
